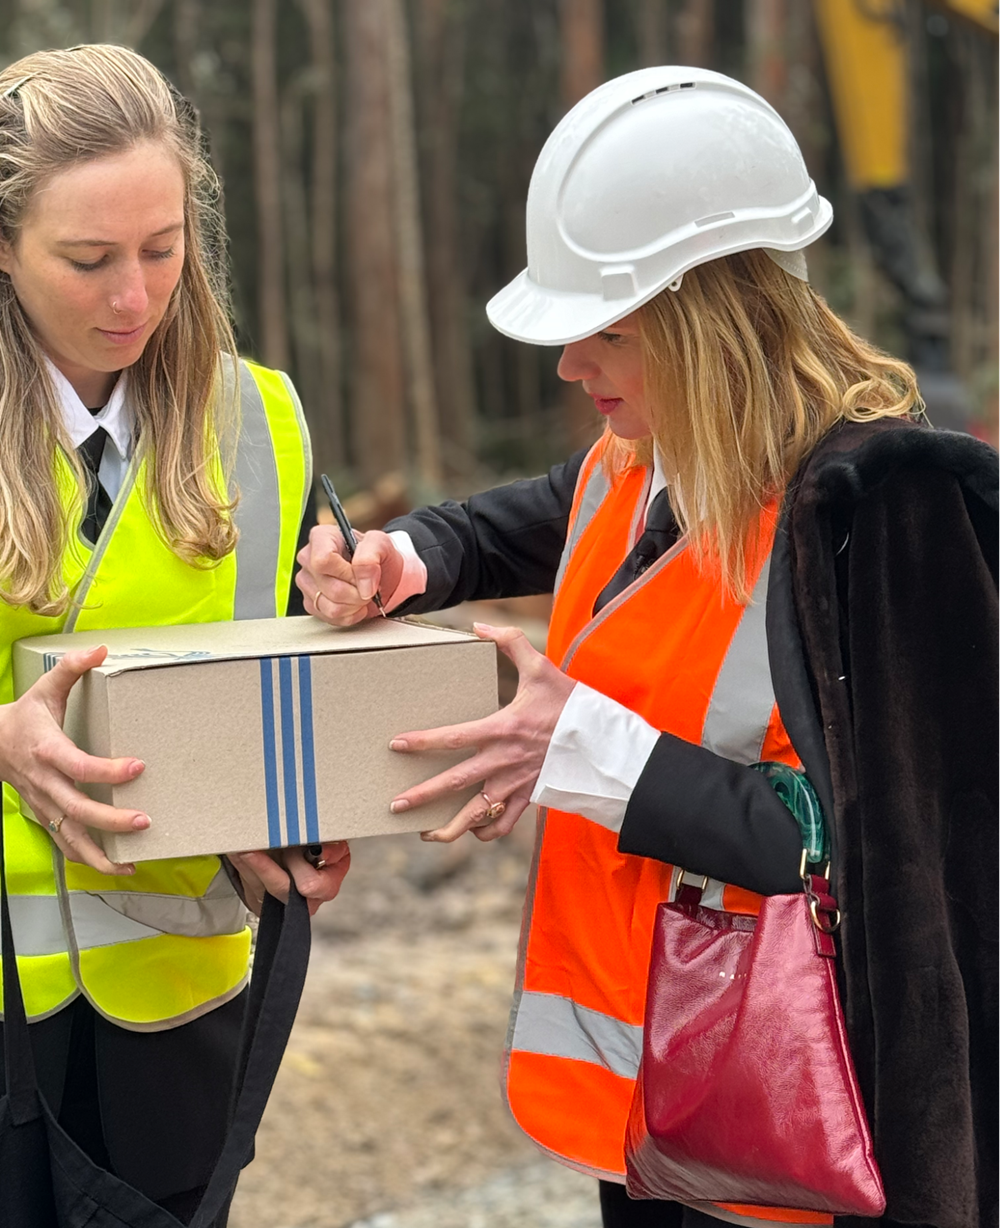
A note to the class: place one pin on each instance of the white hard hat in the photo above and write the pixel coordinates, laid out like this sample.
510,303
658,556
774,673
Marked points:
649,175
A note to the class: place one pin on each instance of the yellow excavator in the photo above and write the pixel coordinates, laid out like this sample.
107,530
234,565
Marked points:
866,61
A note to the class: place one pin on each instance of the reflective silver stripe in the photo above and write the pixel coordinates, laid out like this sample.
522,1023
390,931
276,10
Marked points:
101,546
219,911
36,921
743,697
559,1027
594,495
123,916
258,514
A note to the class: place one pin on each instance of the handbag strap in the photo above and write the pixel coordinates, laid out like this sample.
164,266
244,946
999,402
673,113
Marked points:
280,965
19,1062
794,788
281,961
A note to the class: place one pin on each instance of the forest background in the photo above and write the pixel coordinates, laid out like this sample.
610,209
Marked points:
376,154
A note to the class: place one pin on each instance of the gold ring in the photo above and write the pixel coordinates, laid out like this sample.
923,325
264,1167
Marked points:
55,824
321,864
495,809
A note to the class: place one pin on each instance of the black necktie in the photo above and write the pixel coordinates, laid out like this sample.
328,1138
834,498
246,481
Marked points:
98,501
657,537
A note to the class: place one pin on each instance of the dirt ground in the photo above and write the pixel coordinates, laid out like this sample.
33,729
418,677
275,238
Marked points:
387,1112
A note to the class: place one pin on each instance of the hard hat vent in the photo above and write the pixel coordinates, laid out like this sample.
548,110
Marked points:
715,217
664,89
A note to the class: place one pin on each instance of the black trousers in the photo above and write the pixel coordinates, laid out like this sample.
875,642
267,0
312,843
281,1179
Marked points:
151,1107
620,1211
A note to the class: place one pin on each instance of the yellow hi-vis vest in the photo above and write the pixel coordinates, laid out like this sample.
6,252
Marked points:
170,942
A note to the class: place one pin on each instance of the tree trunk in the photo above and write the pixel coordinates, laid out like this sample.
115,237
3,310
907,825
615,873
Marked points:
377,417
442,47
301,299
695,31
186,44
582,32
327,420
765,26
273,341
651,32
410,245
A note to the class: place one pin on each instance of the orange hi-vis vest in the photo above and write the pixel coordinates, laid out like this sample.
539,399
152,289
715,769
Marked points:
693,663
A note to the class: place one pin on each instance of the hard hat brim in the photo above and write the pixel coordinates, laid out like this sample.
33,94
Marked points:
539,315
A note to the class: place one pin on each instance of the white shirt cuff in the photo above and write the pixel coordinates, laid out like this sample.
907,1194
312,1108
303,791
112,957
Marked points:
597,753
414,576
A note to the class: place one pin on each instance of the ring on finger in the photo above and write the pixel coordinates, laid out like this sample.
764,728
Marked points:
55,824
493,809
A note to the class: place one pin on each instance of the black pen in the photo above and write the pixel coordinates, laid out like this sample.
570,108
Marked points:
350,541
314,855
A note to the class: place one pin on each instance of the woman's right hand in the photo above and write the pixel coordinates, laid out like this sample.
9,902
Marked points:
340,592
42,764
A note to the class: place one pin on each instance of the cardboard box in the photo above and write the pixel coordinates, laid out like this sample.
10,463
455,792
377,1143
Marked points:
265,733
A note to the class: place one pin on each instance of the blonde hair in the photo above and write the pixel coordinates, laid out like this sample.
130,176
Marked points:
746,368
59,109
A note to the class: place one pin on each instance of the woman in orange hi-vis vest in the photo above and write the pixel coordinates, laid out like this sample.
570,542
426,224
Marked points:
766,556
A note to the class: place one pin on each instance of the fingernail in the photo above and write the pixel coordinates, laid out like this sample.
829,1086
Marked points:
126,869
398,744
136,766
366,590
399,805
482,627
427,837
141,822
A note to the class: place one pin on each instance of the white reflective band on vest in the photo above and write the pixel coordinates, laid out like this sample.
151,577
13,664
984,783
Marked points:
593,496
123,916
256,476
743,696
559,1027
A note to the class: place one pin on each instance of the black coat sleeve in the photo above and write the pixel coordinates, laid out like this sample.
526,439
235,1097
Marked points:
712,816
505,542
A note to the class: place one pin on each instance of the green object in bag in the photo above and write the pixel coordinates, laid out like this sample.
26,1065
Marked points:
794,789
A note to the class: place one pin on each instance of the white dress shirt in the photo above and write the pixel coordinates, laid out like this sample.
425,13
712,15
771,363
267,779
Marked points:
599,747
116,417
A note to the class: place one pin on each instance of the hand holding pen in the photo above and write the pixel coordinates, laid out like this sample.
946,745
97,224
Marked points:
350,540
342,573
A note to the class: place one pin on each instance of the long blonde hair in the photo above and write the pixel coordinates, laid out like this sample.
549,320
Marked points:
746,368
58,109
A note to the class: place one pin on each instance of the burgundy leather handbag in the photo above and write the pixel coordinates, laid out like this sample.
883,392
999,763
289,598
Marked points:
746,1090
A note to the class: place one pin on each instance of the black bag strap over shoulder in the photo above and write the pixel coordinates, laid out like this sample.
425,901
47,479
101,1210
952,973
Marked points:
48,1180
19,1062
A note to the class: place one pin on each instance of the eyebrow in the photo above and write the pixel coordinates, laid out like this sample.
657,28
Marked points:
171,229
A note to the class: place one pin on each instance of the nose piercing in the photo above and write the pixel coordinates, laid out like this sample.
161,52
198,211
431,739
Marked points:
115,308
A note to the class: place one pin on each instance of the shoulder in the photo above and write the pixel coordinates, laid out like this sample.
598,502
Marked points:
859,461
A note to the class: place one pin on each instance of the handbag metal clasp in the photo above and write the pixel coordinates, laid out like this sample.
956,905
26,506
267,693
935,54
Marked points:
703,886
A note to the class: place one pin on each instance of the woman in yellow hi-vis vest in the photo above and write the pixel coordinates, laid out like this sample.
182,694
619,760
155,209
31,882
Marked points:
146,478
763,533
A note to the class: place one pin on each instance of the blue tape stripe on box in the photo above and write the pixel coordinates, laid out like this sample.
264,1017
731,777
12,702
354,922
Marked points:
308,750
288,764
270,754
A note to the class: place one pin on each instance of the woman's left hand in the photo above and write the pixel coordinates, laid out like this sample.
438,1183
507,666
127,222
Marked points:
510,745
268,872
